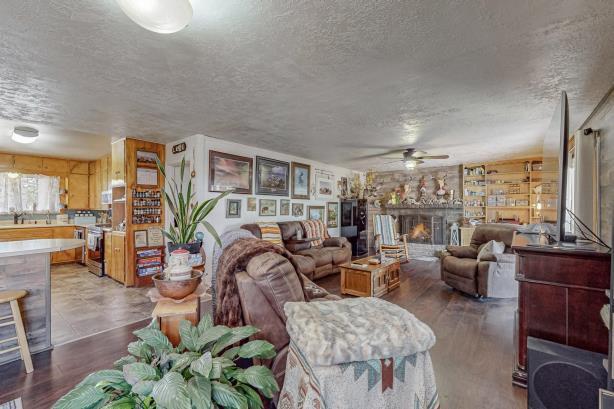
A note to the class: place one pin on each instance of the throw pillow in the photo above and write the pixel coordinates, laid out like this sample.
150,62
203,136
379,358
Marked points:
315,229
492,247
271,233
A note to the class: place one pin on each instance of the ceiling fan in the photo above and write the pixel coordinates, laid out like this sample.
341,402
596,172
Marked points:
411,157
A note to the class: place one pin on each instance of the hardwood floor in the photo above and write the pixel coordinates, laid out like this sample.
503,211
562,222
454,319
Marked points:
473,355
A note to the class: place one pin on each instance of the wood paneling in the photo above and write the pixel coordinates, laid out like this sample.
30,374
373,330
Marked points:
118,161
6,161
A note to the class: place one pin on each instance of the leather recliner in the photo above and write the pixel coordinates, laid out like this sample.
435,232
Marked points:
268,282
322,260
493,276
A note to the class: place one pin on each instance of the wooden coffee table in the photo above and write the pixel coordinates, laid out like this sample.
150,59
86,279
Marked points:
370,280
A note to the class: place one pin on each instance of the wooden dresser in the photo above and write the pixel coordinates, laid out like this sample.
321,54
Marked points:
561,291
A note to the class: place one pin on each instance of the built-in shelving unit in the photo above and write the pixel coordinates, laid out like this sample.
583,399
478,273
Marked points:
516,191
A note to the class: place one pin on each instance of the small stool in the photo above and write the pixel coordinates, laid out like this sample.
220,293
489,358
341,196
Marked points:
12,297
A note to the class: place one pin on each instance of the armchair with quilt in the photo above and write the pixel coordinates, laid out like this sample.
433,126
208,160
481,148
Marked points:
491,276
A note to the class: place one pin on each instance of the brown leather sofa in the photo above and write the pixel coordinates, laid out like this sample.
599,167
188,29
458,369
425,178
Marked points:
268,282
320,261
490,277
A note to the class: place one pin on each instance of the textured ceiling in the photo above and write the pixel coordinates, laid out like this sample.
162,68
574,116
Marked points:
329,80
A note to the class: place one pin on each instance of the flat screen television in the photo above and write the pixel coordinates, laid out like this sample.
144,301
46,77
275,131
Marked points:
555,163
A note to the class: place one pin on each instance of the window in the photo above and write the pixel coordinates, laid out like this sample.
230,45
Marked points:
31,193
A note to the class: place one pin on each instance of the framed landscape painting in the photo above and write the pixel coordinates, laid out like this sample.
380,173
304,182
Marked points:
315,212
228,172
298,209
268,207
301,176
251,204
332,214
324,188
284,207
272,177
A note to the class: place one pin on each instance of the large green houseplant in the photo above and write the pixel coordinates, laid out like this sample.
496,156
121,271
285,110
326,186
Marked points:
200,373
187,213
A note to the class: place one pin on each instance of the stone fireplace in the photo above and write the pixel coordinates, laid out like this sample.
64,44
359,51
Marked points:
427,228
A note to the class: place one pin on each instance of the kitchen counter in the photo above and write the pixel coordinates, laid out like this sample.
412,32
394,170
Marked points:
37,226
26,265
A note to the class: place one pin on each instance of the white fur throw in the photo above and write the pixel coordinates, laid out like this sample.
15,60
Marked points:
355,329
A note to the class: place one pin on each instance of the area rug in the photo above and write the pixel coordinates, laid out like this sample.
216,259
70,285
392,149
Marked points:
14,404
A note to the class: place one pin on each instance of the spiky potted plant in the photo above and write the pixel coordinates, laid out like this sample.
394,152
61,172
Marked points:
201,372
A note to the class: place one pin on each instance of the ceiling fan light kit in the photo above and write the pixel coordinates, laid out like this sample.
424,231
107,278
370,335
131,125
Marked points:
159,16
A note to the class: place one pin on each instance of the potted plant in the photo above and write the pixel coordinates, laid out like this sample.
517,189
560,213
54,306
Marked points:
187,213
201,372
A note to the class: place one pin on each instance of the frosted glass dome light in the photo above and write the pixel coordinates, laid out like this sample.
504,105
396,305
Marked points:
160,16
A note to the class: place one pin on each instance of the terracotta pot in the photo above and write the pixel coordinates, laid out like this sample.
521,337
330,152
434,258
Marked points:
180,289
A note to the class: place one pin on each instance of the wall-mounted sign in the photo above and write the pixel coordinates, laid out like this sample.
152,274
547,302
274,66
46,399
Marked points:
180,147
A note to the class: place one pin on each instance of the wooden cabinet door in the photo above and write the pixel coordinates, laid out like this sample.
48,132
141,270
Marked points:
108,255
66,256
104,174
78,188
52,165
119,258
394,276
379,284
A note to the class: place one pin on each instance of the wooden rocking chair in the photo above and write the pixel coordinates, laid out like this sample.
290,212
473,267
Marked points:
387,240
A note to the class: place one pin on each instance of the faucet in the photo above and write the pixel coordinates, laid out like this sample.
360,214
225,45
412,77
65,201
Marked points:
16,216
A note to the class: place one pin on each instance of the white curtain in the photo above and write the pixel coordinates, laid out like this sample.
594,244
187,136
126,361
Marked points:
31,193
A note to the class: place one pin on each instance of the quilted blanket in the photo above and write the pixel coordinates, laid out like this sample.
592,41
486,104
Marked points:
386,365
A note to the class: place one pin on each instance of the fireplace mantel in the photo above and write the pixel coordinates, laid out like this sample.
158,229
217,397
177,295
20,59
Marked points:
425,207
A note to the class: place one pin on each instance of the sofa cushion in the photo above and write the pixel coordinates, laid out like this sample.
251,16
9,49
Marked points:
320,256
315,229
303,264
462,251
464,267
339,255
276,278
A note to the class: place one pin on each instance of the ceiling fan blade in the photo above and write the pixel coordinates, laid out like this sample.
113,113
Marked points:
433,157
393,161
414,153
377,155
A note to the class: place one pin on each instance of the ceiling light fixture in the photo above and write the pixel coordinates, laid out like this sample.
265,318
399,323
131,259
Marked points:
411,164
24,134
159,16
13,175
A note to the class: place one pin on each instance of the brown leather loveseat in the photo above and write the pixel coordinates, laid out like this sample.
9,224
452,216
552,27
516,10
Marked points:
268,282
320,261
493,276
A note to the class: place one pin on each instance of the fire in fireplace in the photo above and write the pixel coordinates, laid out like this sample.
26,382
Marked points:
420,233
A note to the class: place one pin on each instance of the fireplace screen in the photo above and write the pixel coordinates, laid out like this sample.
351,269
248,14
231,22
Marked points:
423,229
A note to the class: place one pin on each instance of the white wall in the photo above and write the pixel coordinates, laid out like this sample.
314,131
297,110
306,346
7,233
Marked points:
198,147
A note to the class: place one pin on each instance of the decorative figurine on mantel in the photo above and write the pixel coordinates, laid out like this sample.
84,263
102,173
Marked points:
422,189
441,184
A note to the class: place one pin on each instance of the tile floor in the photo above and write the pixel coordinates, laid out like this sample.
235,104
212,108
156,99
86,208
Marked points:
83,304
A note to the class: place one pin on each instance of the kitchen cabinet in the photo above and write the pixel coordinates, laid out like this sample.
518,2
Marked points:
118,257
53,165
108,253
79,168
118,171
6,161
28,163
78,191
44,231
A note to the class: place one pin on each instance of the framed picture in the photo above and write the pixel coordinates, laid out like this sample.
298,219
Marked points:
284,207
315,212
251,204
146,157
301,176
332,214
324,188
268,207
140,238
298,209
233,208
272,177
155,238
228,171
